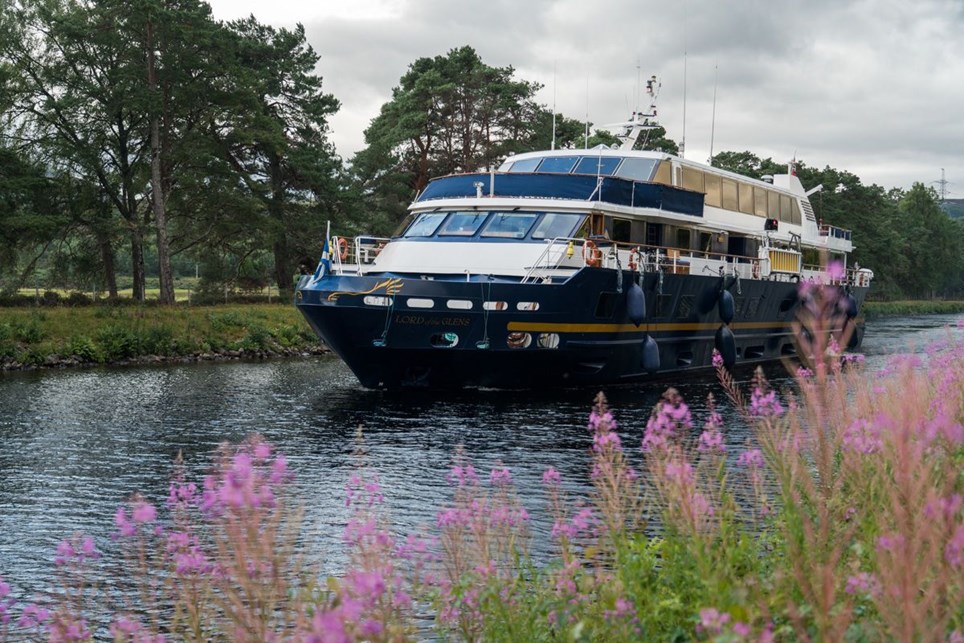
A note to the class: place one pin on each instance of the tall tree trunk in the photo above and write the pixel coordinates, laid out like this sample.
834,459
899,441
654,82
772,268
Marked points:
110,267
283,270
137,262
166,295
283,267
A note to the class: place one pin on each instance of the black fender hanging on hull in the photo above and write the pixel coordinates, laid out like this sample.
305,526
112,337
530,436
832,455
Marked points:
636,304
650,361
726,345
726,306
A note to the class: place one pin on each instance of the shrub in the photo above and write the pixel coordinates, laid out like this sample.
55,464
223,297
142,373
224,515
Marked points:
118,342
82,347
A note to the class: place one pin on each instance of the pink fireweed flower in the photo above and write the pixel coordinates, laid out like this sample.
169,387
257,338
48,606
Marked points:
954,550
717,359
853,359
329,627
712,621
679,472
500,477
143,512
752,458
606,441
262,451
836,271
359,529
711,439
279,470
944,507
603,421
462,475
124,526
64,629
124,627
765,404
862,437
741,629
551,477
580,524
181,495
65,553
33,616
669,415
890,542
863,583
367,586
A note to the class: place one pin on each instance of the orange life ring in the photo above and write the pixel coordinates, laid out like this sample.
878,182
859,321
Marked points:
591,253
342,248
756,269
634,255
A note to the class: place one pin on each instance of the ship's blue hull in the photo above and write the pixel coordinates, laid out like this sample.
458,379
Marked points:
395,331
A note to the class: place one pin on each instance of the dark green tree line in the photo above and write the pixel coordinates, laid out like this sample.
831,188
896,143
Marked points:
213,136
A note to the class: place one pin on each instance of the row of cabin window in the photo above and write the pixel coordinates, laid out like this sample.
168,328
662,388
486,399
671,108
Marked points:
734,195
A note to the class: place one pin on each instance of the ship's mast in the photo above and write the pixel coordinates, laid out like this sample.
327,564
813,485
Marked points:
640,120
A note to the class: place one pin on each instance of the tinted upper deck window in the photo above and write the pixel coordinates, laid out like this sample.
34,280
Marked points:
599,165
558,164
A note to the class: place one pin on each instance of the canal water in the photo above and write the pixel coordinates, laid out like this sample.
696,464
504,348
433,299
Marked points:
75,444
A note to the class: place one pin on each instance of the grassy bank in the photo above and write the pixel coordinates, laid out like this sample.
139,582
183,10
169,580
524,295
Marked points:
61,336
874,309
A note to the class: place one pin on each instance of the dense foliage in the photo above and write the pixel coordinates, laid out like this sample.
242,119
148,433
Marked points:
145,139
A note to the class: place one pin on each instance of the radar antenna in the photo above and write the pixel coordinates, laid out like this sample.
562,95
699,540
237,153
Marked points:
640,121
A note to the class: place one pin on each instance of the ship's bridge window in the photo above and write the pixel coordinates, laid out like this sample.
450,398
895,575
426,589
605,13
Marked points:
512,225
599,165
636,169
558,164
554,225
425,224
463,224
525,165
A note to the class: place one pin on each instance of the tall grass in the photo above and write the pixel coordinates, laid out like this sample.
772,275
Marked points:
844,520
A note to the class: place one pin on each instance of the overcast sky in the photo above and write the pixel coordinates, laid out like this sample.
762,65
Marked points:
875,87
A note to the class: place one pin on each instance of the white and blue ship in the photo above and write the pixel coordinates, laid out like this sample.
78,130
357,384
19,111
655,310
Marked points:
579,267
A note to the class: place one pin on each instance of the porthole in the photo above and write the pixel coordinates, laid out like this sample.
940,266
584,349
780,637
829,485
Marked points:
445,340
414,302
459,304
377,300
527,305
548,340
518,340
494,305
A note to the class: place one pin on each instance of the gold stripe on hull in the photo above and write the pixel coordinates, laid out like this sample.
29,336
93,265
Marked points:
548,327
